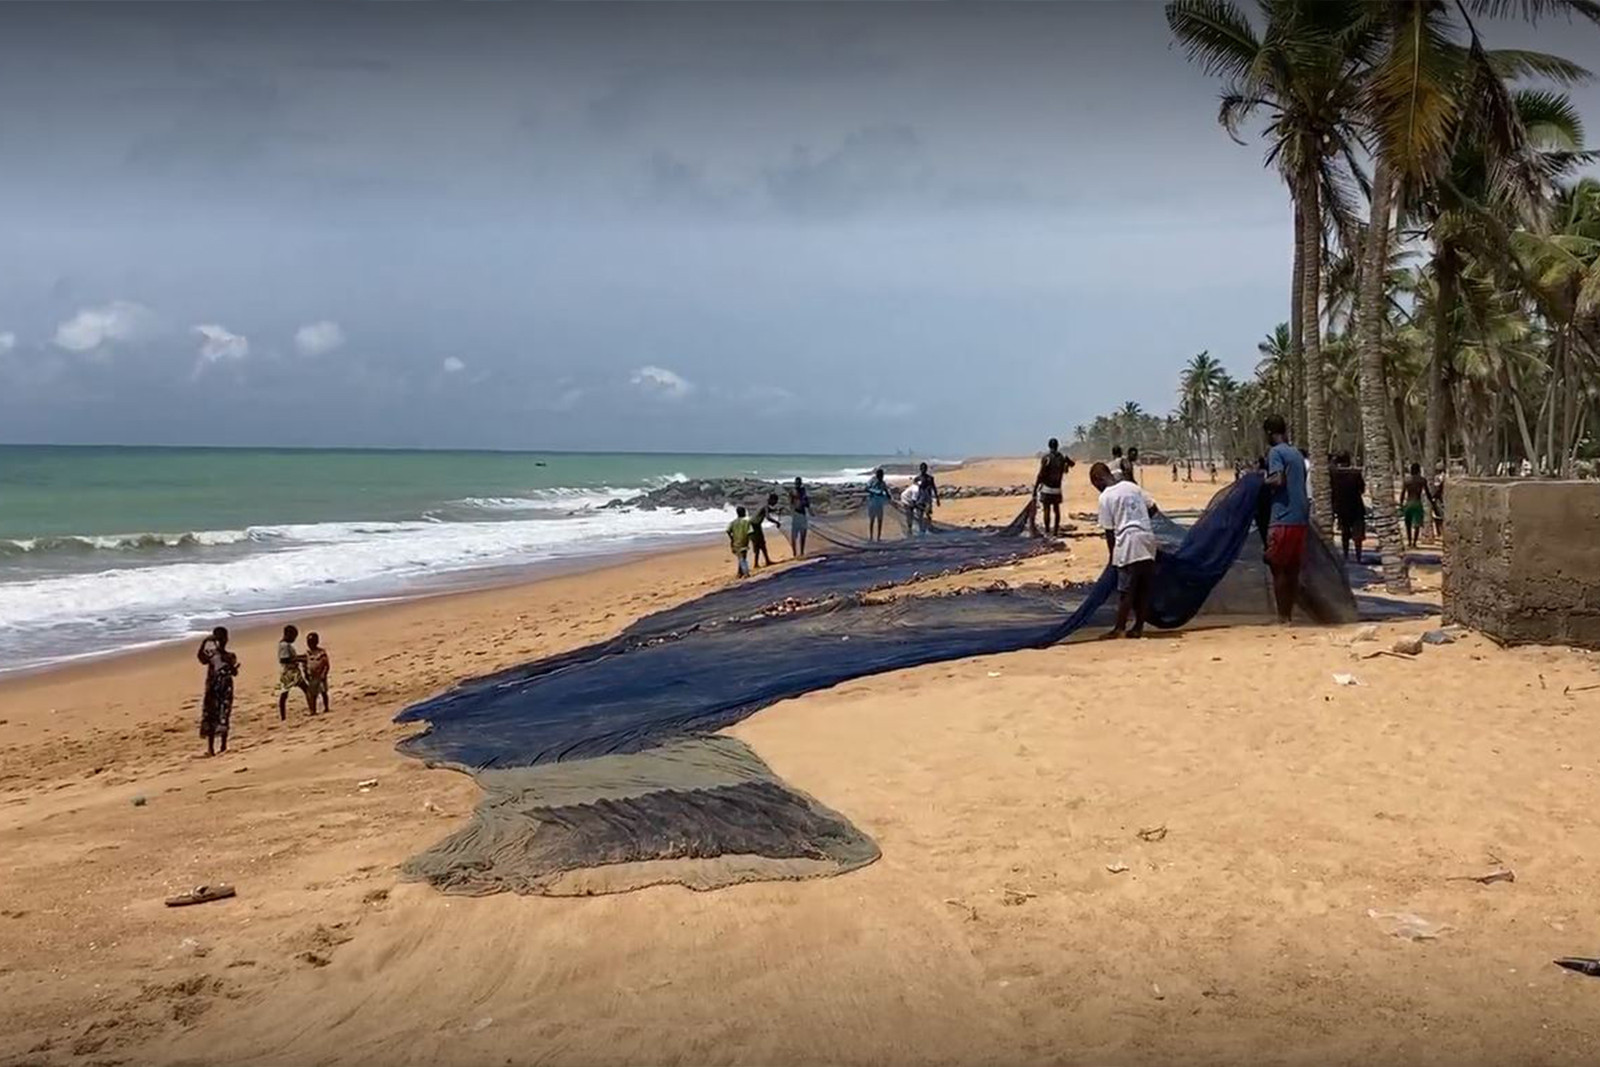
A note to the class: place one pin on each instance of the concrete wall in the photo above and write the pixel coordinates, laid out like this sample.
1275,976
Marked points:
1522,560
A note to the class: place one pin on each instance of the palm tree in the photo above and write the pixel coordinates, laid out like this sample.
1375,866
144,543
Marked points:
1423,91
1303,72
1197,388
1471,210
1276,371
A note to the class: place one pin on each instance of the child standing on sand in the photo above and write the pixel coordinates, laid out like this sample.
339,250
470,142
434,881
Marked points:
317,667
216,709
291,672
739,540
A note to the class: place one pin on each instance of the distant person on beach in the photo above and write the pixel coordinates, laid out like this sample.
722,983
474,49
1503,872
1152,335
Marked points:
1349,509
1291,515
1436,501
877,499
799,518
1413,490
1047,485
1188,470
291,670
908,504
1174,470
758,535
1130,465
216,707
1125,514
739,540
318,666
1120,467
927,497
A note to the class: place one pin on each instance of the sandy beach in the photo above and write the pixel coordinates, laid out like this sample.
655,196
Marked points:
1016,916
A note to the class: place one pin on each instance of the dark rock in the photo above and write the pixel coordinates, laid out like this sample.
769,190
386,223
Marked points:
825,499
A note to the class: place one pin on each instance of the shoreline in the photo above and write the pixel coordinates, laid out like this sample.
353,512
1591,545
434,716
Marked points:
465,582
253,625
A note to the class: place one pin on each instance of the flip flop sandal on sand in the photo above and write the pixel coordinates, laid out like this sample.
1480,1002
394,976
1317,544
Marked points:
201,894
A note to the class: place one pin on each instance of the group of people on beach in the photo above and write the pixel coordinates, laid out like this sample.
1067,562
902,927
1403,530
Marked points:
306,671
1126,517
747,537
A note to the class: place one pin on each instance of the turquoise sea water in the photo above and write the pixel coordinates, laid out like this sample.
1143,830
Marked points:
106,548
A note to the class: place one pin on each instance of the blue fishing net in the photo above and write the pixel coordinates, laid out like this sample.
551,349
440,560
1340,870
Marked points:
694,669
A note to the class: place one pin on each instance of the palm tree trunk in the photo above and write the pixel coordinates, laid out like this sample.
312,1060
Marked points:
1374,390
1445,266
1316,414
1296,413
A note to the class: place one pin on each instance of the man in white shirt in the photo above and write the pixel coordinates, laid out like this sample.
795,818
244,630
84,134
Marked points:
1125,513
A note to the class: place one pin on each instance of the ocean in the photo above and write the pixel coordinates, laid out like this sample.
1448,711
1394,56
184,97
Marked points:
105,549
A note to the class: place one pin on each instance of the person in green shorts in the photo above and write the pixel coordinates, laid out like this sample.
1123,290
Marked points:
1413,489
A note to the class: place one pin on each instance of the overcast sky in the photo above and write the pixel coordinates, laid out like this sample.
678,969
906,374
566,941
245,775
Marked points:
840,228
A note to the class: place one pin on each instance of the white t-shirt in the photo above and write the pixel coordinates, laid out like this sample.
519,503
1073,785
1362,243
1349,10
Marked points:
1125,511
908,495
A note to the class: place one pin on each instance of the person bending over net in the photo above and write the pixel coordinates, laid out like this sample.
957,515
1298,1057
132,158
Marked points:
1125,514
1290,517
1048,485
758,535
877,500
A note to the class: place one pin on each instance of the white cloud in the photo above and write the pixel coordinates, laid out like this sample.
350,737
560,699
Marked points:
661,382
8,341
218,343
452,365
319,338
92,328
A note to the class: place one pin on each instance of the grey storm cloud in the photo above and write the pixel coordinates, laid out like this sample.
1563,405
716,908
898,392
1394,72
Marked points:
779,227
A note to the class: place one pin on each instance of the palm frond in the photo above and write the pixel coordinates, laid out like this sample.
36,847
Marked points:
1515,63
1215,34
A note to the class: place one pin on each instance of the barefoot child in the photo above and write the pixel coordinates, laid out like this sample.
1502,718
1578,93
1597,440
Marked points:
739,540
216,709
317,667
291,670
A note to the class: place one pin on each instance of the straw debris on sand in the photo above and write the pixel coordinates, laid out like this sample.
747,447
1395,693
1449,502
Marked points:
1296,808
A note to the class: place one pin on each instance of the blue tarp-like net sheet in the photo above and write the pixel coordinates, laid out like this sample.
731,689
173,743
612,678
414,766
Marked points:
691,670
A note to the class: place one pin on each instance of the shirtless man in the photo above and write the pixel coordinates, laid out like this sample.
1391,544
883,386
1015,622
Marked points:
1413,489
1047,484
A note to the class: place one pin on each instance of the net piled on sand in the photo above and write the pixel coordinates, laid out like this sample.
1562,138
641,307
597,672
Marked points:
601,760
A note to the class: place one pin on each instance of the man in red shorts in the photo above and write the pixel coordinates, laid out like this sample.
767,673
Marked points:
1291,515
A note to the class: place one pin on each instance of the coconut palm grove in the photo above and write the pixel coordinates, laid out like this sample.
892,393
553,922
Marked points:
1445,288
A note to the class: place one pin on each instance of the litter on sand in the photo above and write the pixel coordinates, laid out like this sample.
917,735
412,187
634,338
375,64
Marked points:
1405,925
1346,679
1116,868
1582,964
366,784
1503,874
201,894
1153,833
